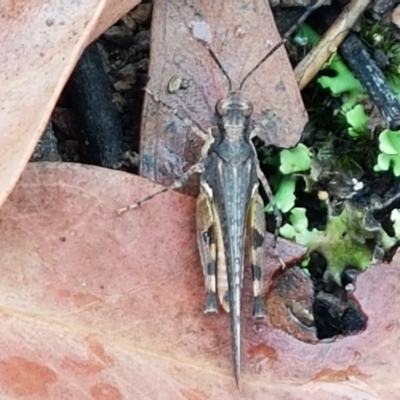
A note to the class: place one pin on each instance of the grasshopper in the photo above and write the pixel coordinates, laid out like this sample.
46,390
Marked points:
230,210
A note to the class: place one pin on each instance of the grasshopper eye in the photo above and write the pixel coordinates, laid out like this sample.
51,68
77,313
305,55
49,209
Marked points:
220,108
247,109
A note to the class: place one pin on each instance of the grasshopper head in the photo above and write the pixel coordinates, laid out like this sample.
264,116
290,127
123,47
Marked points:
234,109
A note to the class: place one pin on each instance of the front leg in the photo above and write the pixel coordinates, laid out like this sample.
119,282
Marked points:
184,117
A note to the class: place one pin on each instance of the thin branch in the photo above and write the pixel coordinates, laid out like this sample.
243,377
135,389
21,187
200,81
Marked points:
317,57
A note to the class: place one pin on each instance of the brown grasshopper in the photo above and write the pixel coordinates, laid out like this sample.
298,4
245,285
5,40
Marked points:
229,207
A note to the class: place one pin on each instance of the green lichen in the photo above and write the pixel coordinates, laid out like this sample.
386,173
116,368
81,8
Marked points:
342,83
357,119
343,243
389,145
395,217
295,160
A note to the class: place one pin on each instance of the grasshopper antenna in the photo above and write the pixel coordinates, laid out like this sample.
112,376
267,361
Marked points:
285,37
215,58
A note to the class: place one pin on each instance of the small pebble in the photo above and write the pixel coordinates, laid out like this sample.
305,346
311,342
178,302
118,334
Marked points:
141,14
122,86
118,35
128,73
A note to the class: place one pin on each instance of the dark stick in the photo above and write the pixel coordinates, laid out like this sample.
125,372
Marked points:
367,72
372,79
46,147
91,94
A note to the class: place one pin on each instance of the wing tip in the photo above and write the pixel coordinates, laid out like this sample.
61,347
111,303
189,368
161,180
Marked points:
236,336
238,379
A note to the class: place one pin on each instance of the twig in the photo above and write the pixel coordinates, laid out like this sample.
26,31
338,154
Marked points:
91,95
368,73
372,79
315,59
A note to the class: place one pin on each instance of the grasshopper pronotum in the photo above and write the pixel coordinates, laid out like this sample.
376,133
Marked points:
229,207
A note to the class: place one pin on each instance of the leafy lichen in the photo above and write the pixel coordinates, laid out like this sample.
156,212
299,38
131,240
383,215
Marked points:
343,243
389,145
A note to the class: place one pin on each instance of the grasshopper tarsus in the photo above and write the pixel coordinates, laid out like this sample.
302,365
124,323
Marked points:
211,306
282,262
123,210
194,169
280,259
259,308
132,206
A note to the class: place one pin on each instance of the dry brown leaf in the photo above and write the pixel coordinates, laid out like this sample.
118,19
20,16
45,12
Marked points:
241,33
94,306
41,41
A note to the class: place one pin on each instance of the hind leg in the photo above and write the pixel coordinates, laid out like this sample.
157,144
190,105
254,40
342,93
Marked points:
207,247
256,234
